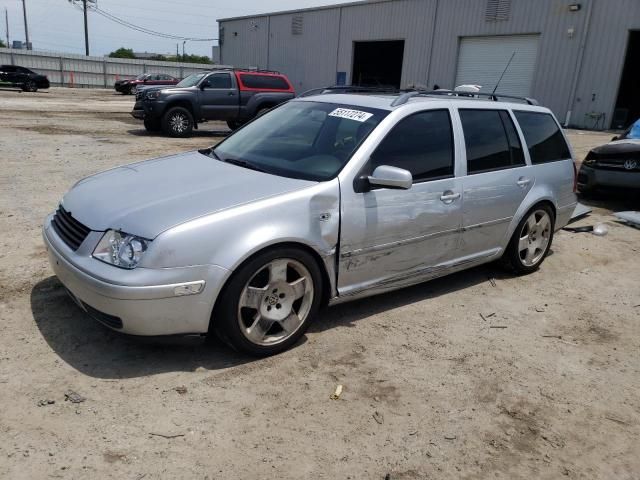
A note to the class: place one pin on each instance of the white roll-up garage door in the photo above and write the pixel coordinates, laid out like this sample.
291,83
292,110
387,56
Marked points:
481,61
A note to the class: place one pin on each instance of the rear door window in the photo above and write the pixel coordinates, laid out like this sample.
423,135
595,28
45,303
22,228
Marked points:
422,144
270,82
491,140
544,139
218,80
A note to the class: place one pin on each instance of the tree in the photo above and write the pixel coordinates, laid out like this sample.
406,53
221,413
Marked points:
122,53
194,59
2,45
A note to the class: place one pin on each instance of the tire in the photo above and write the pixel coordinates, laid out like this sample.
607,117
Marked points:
30,86
133,89
261,315
177,122
261,111
531,240
152,124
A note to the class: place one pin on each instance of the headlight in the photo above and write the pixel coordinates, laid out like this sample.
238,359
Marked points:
153,95
120,249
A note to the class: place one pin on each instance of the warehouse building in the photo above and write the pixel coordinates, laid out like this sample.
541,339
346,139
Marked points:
580,58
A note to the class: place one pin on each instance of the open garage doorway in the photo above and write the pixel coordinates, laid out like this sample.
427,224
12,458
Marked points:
378,63
628,103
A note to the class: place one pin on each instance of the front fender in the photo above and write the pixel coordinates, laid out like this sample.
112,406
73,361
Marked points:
309,217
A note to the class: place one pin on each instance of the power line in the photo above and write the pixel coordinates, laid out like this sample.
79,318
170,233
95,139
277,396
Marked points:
141,29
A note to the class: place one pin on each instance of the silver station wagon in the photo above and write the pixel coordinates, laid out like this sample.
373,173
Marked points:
324,199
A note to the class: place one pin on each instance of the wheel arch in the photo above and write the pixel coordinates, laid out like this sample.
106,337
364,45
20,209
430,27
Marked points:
327,285
180,102
525,207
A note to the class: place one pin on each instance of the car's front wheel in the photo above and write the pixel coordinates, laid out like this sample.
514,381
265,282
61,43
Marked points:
30,86
269,302
177,122
531,240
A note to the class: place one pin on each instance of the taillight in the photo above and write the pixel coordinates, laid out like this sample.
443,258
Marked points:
575,177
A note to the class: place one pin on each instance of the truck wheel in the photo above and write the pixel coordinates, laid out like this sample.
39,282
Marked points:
152,124
261,111
234,124
269,302
177,122
30,86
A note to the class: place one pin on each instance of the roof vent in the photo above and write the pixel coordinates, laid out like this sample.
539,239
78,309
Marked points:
498,10
296,24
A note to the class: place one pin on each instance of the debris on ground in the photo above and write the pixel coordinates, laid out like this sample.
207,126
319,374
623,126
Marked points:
336,394
44,403
169,436
450,437
378,417
181,389
492,281
630,218
74,397
497,326
599,229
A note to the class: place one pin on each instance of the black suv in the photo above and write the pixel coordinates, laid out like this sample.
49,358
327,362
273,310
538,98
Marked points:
235,96
27,80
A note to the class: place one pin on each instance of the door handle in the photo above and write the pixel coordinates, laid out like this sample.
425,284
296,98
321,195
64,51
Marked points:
449,196
231,94
523,182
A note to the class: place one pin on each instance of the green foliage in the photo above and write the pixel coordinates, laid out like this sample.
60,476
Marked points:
194,59
2,45
122,53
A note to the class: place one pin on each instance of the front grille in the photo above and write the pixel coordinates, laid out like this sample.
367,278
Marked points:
71,231
139,95
109,320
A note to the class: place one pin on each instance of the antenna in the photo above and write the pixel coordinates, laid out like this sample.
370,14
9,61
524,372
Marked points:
503,72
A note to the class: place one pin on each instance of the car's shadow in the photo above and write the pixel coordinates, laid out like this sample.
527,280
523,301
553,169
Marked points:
196,133
615,199
99,352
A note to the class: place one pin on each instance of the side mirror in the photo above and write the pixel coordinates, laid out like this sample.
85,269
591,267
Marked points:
391,177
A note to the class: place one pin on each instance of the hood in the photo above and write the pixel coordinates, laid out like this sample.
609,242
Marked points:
617,147
149,197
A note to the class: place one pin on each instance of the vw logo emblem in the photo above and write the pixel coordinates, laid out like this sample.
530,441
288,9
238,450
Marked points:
631,164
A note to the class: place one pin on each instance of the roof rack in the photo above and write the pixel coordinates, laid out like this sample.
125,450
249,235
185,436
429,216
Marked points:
405,97
347,89
252,70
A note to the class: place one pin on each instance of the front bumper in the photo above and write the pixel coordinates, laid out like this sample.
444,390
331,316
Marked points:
138,309
148,109
589,178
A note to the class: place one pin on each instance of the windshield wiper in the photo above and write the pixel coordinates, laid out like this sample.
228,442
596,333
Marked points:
243,163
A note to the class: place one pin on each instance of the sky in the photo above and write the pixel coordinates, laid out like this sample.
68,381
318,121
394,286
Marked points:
57,25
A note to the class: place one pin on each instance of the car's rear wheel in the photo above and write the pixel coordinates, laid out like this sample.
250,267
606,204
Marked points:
269,303
152,124
30,86
177,122
531,240
133,89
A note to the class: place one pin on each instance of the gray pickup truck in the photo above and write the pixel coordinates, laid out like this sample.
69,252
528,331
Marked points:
235,96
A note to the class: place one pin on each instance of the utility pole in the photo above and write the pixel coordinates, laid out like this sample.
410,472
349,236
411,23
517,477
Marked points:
177,52
183,50
26,27
6,18
86,28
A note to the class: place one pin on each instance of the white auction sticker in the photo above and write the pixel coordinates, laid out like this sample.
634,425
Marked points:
356,115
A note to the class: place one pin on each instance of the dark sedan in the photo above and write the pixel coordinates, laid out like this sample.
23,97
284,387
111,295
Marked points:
130,86
20,77
615,164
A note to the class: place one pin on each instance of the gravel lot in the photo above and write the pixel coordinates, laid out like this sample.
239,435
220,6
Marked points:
431,390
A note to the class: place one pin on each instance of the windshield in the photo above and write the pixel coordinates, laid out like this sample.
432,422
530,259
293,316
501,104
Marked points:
633,132
300,139
191,80
141,77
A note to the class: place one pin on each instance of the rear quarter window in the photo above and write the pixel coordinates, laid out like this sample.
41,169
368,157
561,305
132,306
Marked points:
543,137
269,82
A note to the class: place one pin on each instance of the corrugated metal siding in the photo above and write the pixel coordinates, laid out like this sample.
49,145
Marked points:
246,42
604,58
408,20
79,70
312,59
291,54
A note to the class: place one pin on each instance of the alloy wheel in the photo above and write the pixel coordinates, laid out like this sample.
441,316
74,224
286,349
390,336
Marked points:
179,122
534,238
275,302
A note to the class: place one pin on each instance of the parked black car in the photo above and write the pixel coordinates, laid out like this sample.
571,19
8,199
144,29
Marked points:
231,95
615,164
20,77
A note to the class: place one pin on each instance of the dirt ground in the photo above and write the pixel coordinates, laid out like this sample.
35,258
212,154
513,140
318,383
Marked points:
476,375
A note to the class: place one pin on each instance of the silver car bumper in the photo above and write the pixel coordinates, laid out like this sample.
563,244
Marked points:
155,309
